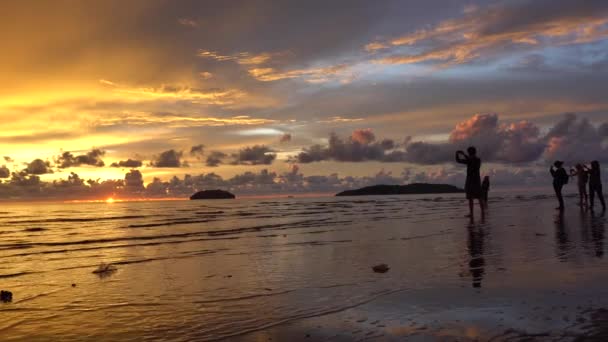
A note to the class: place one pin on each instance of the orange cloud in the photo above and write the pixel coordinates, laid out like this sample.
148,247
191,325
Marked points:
482,32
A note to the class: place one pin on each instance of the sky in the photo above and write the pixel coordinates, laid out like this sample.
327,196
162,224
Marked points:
161,98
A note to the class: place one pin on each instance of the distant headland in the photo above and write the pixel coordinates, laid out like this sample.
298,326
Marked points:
212,194
409,189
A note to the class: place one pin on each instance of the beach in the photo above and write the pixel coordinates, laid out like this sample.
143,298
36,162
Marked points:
301,269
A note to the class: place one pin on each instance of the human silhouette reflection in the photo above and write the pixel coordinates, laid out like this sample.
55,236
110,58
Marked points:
475,247
561,237
597,233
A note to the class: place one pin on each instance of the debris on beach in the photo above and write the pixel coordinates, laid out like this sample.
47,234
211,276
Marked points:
6,296
381,268
105,269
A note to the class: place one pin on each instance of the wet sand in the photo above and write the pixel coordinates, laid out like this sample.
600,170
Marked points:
531,274
300,269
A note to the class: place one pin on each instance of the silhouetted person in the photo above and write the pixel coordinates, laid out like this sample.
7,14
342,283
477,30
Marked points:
485,188
472,185
560,178
582,177
595,184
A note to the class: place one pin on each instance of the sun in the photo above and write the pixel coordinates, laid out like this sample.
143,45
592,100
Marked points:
110,200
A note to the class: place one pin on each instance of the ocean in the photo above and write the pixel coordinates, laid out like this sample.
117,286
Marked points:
301,269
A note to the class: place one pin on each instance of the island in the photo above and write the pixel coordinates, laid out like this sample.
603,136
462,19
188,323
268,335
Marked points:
212,194
409,189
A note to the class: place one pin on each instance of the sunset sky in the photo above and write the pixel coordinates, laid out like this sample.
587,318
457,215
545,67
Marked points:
321,94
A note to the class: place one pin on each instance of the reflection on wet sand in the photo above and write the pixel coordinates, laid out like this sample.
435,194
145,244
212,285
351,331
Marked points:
597,233
475,244
562,239
203,269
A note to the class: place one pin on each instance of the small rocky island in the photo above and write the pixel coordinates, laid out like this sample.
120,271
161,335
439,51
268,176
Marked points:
409,189
212,194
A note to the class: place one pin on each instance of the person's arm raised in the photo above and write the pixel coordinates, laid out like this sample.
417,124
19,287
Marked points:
461,157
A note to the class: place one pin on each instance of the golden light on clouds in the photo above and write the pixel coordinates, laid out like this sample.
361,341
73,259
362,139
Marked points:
201,84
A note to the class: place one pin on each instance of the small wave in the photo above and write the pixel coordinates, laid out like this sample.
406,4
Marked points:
34,229
13,275
232,299
78,219
317,243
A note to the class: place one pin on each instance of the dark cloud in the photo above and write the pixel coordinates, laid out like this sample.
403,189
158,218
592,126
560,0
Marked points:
134,181
38,167
519,142
4,172
197,151
360,146
286,137
499,30
92,158
129,163
575,139
8,159
254,155
169,158
22,185
215,158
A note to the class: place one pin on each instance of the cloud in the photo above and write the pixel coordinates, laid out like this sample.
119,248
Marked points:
197,150
360,146
4,172
286,137
129,163
8,159
215,158
363,136
175,92
575,139
339,119
22,185
188,22
169,158
92,158
483,32
38,167
254,155
265,67
134,180
205,75
517,142
180,121
375,46
310,75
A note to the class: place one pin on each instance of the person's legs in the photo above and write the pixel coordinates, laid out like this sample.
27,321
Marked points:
592,191
558,194
471,207
585,196
482,206
600,195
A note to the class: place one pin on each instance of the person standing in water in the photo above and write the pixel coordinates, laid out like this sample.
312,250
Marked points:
595,184
472,185
582,179
485,188
560,178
